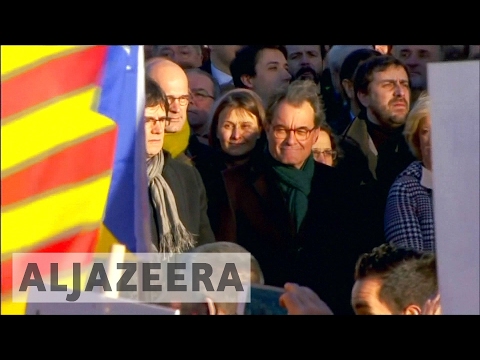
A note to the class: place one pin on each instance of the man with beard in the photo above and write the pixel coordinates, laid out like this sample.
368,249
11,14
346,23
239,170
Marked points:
305,62
375,150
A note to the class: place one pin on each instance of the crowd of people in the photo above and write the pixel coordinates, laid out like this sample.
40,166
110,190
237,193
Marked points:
315,159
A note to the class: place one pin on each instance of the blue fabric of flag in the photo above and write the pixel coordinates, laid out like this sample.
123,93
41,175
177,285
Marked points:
119,101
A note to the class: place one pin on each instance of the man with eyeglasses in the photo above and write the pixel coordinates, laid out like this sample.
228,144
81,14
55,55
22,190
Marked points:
174,82
285,207
204,89
178,202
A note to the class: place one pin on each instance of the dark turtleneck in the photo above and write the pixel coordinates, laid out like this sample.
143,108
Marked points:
380,134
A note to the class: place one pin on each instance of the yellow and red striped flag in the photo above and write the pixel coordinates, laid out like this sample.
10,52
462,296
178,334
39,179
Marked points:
70,118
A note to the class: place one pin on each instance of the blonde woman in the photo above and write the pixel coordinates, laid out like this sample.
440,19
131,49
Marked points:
409,211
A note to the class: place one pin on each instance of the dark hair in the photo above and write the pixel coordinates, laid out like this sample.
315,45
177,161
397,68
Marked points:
352,61
363,75
334,139
245,60
408,276
154,95
244,99
216,86
350,64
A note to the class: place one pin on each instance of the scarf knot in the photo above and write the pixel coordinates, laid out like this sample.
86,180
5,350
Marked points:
295,185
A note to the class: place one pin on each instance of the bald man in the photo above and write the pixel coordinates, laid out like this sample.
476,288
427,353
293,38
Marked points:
174,82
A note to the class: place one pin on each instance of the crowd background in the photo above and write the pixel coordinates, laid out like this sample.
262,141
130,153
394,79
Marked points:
311,157
315,159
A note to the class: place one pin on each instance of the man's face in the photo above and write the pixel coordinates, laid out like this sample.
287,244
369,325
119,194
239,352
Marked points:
388,97
174,82
305,61
290,150
365,297
416,58
271,73
155,119
202,90
225,53
187,56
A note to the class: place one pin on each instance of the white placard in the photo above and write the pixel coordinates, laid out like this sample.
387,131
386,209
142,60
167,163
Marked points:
99,304
454,90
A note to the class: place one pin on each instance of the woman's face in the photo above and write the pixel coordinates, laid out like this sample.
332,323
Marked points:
322,149
424,137
238,131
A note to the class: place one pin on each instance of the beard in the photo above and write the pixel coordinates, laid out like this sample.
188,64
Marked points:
388,119
307,73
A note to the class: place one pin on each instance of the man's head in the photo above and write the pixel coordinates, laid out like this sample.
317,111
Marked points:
261,68
347,72
292,122
416,58
305,61
254,276
336,55
187,56
174,82
156,111
222,56
204,89
382,88
393,281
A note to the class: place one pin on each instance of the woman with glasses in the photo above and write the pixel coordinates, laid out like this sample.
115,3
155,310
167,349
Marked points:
326,150
236,134
409,210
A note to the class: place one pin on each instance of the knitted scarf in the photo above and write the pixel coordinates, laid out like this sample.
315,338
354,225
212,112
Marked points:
295,184
173,237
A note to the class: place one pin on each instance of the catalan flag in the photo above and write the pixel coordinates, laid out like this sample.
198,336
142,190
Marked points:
73,175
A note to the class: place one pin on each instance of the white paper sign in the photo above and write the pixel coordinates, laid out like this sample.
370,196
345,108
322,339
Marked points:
454,91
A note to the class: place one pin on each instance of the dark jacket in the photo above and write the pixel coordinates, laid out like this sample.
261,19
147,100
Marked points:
321,255
189,191
371,173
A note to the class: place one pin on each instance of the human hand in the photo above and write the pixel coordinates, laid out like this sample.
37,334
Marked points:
432,306
301,300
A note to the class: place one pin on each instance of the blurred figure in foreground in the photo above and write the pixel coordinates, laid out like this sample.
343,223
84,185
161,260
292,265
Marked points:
388,281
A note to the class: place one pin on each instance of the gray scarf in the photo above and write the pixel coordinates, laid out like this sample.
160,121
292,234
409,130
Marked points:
173,237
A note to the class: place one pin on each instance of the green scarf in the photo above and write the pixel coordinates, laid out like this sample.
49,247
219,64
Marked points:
295,185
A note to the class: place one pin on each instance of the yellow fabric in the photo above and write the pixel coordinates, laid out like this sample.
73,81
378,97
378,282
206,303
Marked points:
81,205
176,143
48,128
15,57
